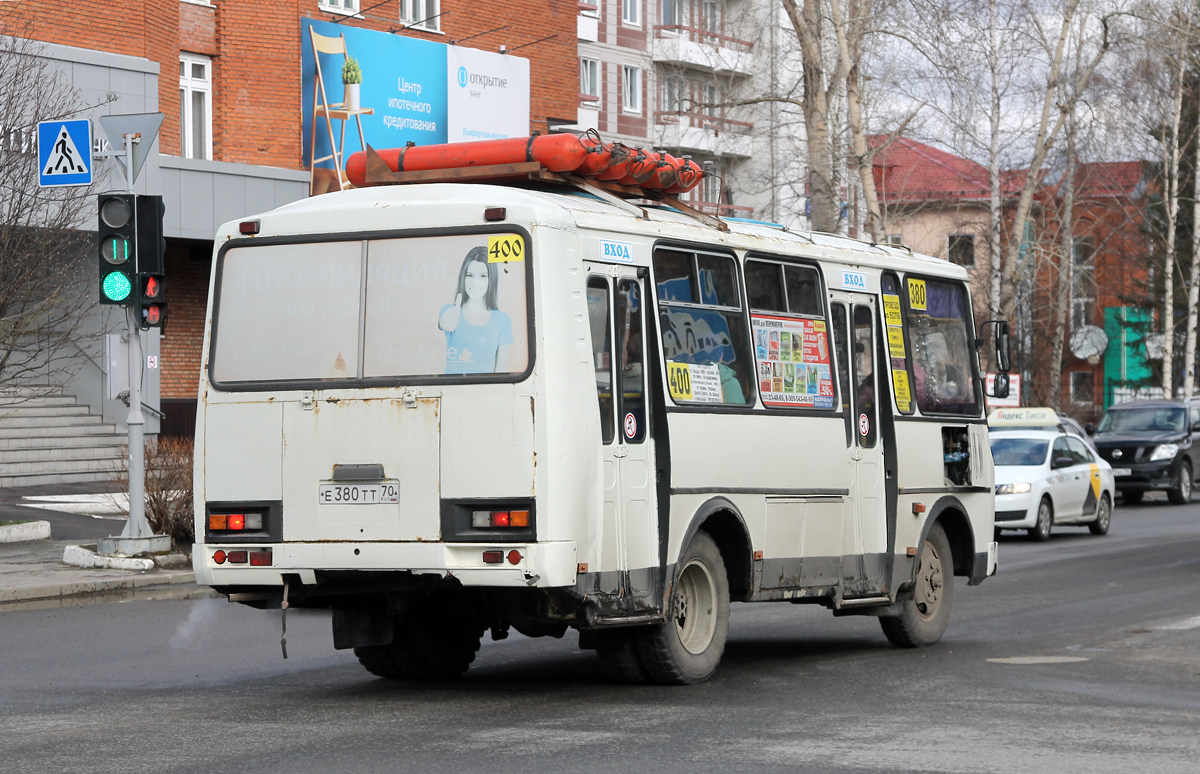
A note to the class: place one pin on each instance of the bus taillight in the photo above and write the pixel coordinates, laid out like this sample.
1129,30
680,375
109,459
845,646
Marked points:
489,519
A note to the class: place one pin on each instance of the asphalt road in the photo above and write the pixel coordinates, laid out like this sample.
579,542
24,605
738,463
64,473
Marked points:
199,685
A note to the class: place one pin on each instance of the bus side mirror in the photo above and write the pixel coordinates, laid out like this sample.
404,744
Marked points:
1000,341
1000,385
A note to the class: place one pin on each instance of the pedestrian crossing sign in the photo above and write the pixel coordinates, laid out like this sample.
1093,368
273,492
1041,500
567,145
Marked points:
64,153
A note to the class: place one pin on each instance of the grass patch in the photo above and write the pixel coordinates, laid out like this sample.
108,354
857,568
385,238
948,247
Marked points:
11,523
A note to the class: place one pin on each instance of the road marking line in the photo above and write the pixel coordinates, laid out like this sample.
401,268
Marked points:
1187,623
1038,660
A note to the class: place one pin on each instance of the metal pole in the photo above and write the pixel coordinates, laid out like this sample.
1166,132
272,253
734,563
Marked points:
137,526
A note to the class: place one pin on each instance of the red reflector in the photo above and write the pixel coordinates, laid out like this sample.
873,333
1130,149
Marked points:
237,557
493,557
494,213
248,227
219,557
260,558
514,556
500,519
236,521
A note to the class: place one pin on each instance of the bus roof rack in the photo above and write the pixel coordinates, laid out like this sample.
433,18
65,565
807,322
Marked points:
379,173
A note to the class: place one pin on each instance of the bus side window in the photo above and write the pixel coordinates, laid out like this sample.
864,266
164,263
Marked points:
597,301
704,338
841,337
631,375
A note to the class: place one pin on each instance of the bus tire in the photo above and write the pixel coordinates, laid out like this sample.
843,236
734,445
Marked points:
618,651
687,647
379,661
925,611
433,648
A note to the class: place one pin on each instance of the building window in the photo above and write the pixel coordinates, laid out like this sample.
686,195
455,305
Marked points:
960,249
631,89
421,14
672,13
1083,284
195,106
338,6
1083,387
711,10
710,185
631,12
589,79
674,94
894,239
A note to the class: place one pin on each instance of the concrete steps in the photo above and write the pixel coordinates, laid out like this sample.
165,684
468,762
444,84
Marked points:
48,438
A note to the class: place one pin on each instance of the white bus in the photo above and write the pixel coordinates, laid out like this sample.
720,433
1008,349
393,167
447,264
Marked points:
445,410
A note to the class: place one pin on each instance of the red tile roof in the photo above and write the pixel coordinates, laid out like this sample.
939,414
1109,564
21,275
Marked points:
911,171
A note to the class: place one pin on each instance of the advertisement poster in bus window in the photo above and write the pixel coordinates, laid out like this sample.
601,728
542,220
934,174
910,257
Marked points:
447,305
793,361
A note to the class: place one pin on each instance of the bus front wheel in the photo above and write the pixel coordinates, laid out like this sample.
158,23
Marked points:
925,611
687,647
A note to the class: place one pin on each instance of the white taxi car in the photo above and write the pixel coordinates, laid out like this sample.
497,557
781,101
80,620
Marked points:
1047,478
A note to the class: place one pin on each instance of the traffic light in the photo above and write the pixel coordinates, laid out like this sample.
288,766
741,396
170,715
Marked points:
151,308
118,247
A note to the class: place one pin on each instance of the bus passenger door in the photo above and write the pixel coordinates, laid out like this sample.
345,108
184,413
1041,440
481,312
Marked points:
865,546
629,540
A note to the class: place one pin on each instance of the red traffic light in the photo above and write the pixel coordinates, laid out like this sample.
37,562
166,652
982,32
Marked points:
153,315
153,288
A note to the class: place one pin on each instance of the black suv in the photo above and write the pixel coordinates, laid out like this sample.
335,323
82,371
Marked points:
1152,444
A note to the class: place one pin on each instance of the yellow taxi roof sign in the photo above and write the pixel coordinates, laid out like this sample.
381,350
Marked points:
1023,417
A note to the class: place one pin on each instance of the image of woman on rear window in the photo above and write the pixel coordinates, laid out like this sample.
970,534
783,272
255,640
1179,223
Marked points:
478,334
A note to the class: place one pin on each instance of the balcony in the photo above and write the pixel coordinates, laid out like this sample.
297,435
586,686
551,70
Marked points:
588,21
676,44
700,133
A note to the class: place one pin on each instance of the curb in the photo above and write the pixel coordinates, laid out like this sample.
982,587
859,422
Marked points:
79,556
51,591
30,530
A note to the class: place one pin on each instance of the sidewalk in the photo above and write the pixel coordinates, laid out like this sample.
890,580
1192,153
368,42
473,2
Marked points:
35,571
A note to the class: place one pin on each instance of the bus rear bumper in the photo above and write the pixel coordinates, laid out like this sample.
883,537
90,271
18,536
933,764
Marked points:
521,565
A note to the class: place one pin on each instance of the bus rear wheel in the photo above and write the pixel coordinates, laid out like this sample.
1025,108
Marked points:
433,648
687,647
618,651
925,611
379,661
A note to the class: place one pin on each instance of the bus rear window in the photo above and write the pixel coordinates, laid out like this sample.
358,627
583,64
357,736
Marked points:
445,306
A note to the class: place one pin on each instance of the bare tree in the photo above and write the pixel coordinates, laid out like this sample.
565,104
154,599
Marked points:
43,300
1056,104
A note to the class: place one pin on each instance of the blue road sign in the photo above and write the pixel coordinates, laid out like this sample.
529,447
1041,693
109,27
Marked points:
65,153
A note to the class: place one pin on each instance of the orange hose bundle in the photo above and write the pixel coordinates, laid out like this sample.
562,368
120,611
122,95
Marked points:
586,156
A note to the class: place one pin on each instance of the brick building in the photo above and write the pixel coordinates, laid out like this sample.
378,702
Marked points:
229,79
938,203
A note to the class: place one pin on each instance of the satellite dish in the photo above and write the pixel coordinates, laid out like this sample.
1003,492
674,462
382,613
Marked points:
1155,343
1088,342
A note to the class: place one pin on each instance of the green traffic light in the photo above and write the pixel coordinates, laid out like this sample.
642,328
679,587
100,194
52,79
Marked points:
115,250
116,286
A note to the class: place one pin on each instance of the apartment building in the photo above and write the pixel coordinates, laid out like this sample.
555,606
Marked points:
691,77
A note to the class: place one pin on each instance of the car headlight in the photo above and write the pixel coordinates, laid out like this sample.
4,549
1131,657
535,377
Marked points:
1165,451
1012,488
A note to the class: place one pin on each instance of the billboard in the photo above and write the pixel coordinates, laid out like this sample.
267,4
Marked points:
412,91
